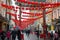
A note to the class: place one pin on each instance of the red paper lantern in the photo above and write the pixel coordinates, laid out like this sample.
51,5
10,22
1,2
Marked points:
4,5
17,7
29,3
22,8
8,7
27,8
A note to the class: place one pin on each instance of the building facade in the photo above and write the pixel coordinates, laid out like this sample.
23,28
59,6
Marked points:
5,18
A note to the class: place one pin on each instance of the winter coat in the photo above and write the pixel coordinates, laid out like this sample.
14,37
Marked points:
8,34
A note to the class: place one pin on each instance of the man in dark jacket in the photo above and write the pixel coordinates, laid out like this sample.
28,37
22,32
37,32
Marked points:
19,34
51,35
13,34
27,32
3,35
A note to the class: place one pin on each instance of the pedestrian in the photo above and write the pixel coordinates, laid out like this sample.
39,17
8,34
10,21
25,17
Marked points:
19,34
0,32
56,35
13,34
48,35
51,35
59,33
8,35
27,32
3,35
37,33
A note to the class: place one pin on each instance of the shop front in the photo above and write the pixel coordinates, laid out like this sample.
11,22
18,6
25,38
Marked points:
3,23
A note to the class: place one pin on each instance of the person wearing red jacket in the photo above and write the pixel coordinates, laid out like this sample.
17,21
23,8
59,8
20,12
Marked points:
8,35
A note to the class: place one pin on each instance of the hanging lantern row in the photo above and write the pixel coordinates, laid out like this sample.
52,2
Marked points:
38,3
38,8
33,8
30,8
12,14
36,18
28,20
18,21
35,14
27,8
25,24
30,14
22,25
9,7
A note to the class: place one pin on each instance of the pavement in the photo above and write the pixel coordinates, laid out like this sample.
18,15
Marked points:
30,37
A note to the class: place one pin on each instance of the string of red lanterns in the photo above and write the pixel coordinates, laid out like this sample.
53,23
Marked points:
38,3
29,8
30,14
12,14
32,19
23,24
26,23
35,14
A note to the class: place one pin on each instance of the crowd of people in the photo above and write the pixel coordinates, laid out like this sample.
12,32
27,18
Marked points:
6,35
12,34
53,36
